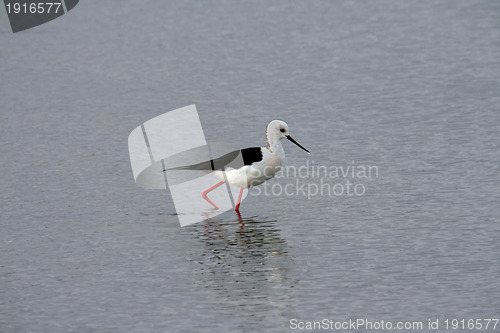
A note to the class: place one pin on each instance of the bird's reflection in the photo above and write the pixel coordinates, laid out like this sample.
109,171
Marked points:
245,257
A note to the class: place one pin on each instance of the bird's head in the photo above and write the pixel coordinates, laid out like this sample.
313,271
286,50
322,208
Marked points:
277,130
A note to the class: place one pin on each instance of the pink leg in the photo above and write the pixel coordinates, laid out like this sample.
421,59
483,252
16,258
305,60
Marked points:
204,194
239,201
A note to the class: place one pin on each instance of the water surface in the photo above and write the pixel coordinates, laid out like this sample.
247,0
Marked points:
409,87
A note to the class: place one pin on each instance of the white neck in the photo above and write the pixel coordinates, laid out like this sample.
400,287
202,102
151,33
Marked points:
274,143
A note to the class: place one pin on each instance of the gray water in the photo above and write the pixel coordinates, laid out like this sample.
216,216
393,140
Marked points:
410,87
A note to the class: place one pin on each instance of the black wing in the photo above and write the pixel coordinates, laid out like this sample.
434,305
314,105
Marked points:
250,155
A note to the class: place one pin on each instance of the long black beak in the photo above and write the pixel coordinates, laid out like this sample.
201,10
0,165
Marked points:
298,144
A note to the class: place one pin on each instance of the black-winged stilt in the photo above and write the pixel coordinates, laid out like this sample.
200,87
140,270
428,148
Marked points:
259,163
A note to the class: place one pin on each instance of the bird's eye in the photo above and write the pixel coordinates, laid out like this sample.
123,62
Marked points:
282,130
